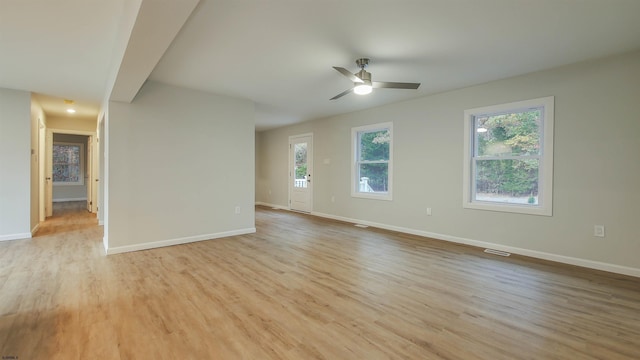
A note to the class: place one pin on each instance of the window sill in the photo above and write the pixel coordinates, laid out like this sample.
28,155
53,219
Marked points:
372,196
510,208
69,184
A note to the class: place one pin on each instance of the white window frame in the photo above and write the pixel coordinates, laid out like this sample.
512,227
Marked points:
545,171
82,156
355,163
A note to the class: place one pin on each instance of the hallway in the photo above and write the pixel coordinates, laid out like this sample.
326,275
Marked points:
67,216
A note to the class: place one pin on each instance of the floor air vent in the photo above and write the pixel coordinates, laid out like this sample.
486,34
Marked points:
496,252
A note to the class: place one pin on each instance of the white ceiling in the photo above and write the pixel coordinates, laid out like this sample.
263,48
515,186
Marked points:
279,53
60,48
56,107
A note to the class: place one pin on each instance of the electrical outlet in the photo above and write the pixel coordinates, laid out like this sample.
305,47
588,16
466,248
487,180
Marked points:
598,230
333,198
237,209
428,211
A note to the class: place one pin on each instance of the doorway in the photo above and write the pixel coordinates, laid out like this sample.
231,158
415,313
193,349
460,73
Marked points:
70,172
300,172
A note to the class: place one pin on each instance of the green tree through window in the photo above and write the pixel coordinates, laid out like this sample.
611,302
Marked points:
507,156
372,161
301,160
374,146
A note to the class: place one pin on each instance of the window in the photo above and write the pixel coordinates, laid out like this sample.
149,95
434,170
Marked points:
68,164
372,149
300,166
508,157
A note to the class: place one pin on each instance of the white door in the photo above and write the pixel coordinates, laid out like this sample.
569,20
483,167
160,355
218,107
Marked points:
95,166
42,170
300,171
88,174
48,206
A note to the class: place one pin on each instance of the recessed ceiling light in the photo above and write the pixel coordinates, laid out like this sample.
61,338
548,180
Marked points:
71,111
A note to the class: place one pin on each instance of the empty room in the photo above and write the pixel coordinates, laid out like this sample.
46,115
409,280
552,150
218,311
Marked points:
280,179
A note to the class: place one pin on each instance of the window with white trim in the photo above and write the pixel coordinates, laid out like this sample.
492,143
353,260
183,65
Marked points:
508,157
68,164
372,159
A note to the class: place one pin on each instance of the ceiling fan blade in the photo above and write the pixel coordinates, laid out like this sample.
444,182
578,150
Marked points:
394,85
348,74
342,94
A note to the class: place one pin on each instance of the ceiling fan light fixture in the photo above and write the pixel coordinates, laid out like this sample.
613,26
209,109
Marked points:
71,111
362,83
363,89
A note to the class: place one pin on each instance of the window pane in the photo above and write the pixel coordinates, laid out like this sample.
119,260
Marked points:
66,173
374,145
507,181
300,151
66,163
374,177
511,134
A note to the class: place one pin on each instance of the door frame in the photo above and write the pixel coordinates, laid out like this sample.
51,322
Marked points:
309,168
49,157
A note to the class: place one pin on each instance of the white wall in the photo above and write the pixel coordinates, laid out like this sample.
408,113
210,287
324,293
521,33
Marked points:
596,175
178,163
72,123
15,166
72,192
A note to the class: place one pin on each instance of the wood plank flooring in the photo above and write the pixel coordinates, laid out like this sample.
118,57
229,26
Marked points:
305,288
67,216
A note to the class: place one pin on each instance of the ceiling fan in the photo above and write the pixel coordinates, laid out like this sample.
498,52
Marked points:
362,83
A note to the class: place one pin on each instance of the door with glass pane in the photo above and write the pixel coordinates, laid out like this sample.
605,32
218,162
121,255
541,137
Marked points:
300,171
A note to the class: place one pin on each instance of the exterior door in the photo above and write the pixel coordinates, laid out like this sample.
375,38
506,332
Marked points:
300,172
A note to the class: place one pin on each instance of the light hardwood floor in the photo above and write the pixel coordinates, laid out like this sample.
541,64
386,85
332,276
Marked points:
304,288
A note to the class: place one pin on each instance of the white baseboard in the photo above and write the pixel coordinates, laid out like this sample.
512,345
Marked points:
35,228
15,236
178,241
70,199
260,203
618,269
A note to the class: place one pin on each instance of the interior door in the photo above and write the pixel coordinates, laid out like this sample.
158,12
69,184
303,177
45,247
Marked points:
88,175
48,206
42,171
301,169
95,173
